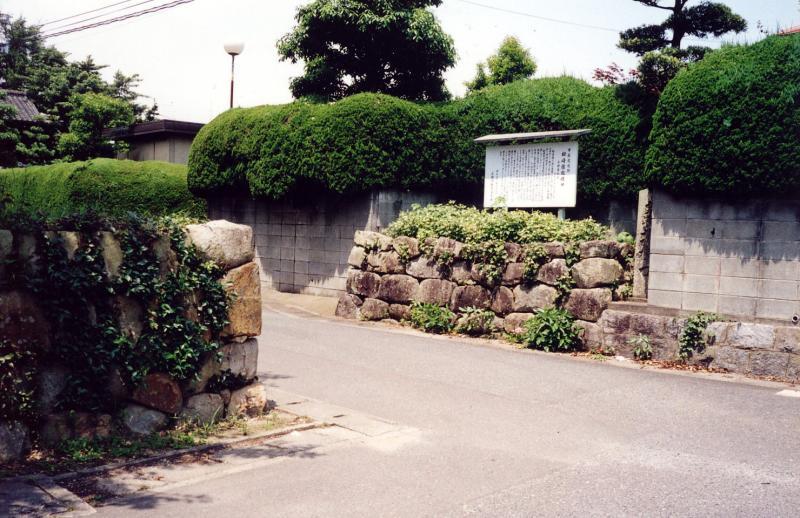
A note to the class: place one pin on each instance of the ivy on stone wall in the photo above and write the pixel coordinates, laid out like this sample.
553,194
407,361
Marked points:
122,298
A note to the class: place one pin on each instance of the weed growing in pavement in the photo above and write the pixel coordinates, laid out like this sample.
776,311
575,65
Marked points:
551,329
431,318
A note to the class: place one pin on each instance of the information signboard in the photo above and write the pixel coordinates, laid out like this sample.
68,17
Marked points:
532,175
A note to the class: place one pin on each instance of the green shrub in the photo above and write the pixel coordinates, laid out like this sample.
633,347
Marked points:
431,318
103,186
730,124
373,140
475,321
694,336
472,225
551,329
17,369
642,347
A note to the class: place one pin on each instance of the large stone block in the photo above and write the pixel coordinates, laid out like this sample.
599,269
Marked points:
373,309
769,363
112,254
357,257
167,258
554,250
446,247
515,322
250,401
401,289
731,359
348,306
424,268
385,262
461,273
238,359
435,291
51,383
407,247
22,321
470,296
372,240
160,392
549,273
787,339
531,298
591,334
130,315
14,441
751,336
597,272
399,312
588,304
364,284
599,248
143,421
615,322
203,409
244,313
513,252
502,301
513,274
227,244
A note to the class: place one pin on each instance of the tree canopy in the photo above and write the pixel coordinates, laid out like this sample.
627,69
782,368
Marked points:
510,63
395,47
75,101
660,45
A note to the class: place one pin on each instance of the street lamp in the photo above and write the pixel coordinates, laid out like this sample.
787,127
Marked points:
234,49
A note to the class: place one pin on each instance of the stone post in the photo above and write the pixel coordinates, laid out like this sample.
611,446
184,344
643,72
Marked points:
641,258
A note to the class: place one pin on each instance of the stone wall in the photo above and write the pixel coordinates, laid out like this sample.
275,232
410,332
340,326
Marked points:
158,400
303,246
746,348
740,259
387,275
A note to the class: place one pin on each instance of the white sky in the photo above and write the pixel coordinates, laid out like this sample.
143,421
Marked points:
178,52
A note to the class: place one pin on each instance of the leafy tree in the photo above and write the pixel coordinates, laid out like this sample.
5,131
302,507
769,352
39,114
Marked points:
89,114
511,63
659,45
56,86
395,47
700,21
9,138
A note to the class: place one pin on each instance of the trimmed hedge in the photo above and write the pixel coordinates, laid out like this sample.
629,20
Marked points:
105,186
373,140
731,123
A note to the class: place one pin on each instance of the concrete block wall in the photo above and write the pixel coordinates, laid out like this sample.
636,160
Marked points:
303,247
736,259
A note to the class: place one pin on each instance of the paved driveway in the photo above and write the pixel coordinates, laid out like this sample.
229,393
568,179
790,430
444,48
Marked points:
449,427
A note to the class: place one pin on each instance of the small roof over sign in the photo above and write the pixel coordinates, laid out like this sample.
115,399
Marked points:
541,135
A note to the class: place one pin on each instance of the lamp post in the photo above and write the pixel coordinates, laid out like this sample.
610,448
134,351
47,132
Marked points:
234,49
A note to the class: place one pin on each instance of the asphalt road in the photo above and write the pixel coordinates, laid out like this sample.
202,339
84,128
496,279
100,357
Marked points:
492,431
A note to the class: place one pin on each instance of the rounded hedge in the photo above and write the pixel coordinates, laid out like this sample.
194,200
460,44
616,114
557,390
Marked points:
105,186
373,140
731,123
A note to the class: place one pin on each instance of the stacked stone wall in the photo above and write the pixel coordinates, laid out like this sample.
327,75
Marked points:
158,401
388,274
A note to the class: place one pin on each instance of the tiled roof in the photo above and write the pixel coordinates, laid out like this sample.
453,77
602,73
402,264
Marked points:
790,30
25,110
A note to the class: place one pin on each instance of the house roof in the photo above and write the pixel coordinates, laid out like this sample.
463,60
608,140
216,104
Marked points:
26,111
163,127
790,30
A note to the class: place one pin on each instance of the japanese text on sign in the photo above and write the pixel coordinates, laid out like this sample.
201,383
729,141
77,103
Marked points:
532,175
